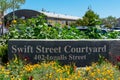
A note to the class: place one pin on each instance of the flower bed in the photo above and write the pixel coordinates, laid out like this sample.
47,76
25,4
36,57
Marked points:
19,70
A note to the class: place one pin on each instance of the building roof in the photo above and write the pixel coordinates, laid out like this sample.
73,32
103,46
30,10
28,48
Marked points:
54,15
27,13
32,13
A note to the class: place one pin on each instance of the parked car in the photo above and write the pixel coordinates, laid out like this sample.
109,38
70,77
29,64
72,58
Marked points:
85,28
82,28
116,29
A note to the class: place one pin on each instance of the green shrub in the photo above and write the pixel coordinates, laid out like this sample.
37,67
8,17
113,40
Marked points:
3,50
3,53
36,28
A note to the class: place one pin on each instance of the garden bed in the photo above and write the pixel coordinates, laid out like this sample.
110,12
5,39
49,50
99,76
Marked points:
18,69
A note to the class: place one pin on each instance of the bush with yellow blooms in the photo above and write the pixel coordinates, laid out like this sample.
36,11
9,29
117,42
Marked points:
19,70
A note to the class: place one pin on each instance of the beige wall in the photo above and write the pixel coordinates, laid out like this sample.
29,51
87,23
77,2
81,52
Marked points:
63,22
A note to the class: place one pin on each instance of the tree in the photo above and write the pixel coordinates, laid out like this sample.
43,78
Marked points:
109,21
4,5
9,4
15,4
89,19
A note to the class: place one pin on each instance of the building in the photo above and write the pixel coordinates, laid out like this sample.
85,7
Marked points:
52,18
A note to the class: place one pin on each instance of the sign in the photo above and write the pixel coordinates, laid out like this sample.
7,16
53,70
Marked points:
80,52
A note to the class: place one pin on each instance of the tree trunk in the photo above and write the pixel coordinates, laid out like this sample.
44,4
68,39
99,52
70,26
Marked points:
2,19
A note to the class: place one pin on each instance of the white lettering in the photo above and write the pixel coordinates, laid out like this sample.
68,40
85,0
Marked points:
14,50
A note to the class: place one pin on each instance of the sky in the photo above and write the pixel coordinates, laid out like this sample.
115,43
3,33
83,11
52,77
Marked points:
103,8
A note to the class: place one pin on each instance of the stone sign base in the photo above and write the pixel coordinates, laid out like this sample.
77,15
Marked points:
80,52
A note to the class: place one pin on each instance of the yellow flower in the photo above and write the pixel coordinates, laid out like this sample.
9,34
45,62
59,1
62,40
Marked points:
104,79
111,75
50,75
61,78
88,68
79,73
19,79
7,72
108,71
103,73
56,79
75,77
14,21
2,68
98,70
13,78
68,72
97,79
29,68
0,23
92,74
